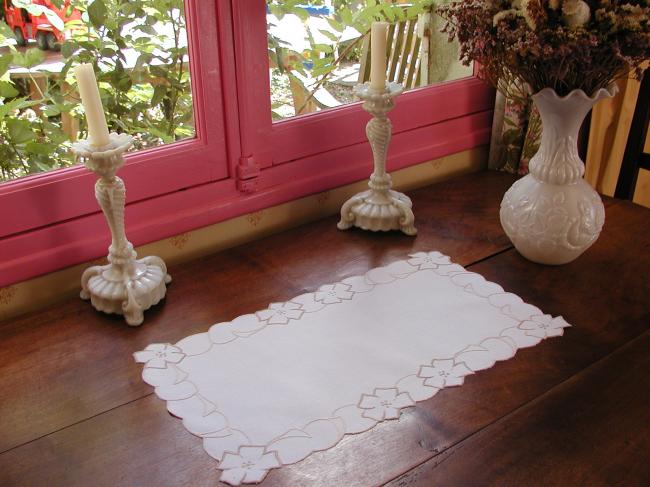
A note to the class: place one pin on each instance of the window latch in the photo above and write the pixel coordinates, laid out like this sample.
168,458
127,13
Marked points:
248,172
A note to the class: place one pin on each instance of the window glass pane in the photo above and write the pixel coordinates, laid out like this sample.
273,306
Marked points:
319,50
139,50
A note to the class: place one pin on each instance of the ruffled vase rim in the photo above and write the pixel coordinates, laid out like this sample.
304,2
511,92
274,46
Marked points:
601,93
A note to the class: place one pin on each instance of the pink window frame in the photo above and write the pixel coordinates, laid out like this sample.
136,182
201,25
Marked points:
269,143
151,172
236,143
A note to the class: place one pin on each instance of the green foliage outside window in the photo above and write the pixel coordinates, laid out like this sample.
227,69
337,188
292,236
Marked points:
324,59
149,98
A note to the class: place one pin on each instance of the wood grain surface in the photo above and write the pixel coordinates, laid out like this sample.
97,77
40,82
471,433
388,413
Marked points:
570,411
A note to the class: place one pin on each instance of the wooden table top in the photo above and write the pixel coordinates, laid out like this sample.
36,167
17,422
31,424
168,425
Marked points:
571,411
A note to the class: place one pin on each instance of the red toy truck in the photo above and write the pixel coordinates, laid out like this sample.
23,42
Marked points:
26,26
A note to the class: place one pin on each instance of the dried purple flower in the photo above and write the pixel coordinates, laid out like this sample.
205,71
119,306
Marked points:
563,44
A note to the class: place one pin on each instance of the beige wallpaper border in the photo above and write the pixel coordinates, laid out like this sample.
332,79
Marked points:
50,288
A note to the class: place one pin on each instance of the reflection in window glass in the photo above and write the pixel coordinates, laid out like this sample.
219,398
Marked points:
139,50
320,49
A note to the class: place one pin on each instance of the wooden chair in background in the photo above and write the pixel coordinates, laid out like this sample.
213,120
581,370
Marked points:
635,158
407,52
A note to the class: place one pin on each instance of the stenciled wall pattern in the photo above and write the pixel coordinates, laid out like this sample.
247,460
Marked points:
38,292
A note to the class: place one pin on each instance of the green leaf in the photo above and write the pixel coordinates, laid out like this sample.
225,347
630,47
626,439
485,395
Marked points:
325,48
147,29
301,13
346,16
29,58
5,31
7,89
38,10
143,59
97,12
54,19
16,104
388,13
336,25
5,62
158,94
68,48
107,52
277,11
52,111
40,148
19,131
331,36
414,11
29,6
323,70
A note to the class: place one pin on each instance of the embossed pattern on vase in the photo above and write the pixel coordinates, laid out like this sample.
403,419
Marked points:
557,160
548,224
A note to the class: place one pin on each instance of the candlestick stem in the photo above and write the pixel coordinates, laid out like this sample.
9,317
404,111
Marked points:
126,285
380,208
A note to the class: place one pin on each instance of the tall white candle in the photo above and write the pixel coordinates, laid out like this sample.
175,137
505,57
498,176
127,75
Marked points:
378,55
92,103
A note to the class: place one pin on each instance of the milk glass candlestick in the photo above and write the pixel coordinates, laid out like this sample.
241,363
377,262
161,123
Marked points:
379,208
125,286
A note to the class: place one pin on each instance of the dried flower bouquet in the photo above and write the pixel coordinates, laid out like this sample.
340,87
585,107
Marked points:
528,45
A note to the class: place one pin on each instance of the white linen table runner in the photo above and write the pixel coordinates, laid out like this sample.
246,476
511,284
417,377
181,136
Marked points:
269,388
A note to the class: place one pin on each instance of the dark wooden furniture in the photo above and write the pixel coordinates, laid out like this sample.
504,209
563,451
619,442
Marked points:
571,411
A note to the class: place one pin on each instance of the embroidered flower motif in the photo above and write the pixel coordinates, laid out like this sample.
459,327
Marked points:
281,313
250,464
444,373
158,355
428,260
544,326
384,403
333,293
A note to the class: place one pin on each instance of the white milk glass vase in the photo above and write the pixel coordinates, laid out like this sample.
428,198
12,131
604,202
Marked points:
553,215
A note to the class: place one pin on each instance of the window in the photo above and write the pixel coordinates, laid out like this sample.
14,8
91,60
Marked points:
51,219
428,122
318,53
239,160
139,50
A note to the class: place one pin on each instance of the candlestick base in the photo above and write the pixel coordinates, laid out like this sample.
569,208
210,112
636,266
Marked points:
378,211
129,292
125,286
379,208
